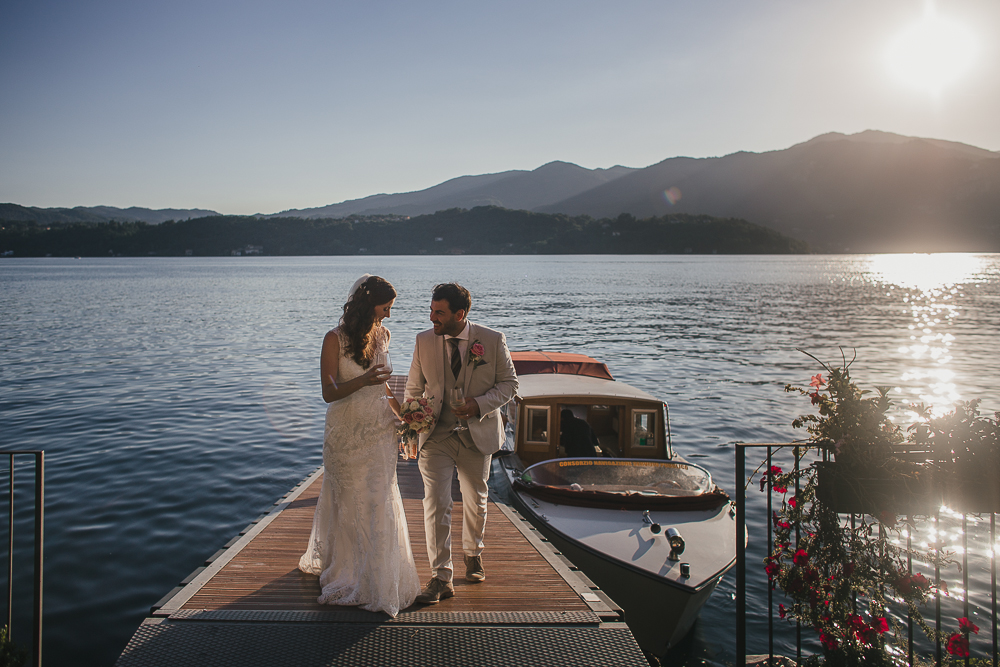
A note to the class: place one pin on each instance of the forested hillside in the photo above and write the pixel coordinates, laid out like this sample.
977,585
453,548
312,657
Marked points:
485,230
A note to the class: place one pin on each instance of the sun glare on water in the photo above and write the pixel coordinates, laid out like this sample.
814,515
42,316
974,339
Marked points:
932,53
926,286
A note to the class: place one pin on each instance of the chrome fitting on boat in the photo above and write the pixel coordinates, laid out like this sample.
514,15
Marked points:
685,570
654,527
676,543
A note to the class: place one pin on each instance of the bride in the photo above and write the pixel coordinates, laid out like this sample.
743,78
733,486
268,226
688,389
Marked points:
359,546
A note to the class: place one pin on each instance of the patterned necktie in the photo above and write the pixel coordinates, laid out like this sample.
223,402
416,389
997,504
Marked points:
456,357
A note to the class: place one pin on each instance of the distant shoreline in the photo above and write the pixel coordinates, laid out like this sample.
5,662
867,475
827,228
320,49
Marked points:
485,230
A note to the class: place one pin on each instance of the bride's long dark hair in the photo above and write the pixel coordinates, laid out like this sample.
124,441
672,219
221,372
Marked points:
358,322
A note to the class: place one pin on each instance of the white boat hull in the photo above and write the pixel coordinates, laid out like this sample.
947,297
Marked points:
622,556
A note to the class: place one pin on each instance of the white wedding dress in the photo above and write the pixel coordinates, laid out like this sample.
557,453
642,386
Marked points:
359,546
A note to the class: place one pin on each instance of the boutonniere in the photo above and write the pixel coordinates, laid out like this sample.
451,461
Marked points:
476,353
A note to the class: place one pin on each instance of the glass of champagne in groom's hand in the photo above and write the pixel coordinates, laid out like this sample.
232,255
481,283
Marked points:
457,401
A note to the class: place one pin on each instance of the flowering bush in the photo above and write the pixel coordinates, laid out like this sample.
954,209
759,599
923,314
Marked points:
961,442
842,574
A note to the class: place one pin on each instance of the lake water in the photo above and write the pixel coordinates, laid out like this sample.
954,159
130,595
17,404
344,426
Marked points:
177,399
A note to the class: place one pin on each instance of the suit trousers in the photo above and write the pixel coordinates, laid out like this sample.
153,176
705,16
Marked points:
438,458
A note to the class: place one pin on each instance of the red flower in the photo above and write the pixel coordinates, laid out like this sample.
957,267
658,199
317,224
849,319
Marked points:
778,523
792,501
772,567
958,645
816,398
966,626
829,641
864,632
907,584
782,612
942,586
817,380
770,475
800,557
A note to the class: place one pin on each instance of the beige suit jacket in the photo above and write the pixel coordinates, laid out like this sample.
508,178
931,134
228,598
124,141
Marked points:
491,381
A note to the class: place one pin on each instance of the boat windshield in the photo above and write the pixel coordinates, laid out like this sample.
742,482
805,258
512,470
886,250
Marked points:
621,476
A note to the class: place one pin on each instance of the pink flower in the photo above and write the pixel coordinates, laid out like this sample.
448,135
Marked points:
478,349
408,417
965,625
817,381
417,415
422,402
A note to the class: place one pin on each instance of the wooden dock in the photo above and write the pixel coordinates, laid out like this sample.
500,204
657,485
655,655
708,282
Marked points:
250,605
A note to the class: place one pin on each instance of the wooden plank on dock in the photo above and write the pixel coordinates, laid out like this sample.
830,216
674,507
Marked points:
265,574
252,606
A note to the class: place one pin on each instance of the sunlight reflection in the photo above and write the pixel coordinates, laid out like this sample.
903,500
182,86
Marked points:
927,286
925,272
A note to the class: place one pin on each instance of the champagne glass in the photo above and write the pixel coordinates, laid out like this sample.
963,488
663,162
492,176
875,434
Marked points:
457,401
383,359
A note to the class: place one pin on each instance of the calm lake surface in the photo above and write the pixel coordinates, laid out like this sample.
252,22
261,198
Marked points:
177,399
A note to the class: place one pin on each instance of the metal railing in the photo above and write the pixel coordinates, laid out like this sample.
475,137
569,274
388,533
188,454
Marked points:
742,481
39,526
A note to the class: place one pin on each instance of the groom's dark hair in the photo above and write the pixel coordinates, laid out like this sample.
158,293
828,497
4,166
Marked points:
458,297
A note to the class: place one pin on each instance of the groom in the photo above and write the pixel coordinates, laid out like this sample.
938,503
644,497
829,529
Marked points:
458,353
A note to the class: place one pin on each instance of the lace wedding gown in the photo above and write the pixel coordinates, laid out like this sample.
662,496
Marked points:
359,546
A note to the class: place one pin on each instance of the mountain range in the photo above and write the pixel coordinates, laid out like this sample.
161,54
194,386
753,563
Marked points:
85,214
867,192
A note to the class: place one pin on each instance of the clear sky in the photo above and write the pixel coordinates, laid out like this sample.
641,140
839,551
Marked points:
246,106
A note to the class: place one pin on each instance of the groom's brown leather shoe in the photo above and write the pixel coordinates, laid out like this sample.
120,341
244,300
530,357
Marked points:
435,591
474,571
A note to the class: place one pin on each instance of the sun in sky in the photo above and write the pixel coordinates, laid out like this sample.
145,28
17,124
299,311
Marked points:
931,53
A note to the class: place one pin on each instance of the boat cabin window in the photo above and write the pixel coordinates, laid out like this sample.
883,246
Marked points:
537,422
643,428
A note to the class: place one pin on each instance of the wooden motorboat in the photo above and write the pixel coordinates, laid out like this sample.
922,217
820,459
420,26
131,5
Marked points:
650,529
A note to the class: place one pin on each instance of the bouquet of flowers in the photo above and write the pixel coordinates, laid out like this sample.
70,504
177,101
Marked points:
417,415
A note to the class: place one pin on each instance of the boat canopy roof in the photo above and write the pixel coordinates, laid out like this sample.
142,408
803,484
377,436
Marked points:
553,385
564,363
